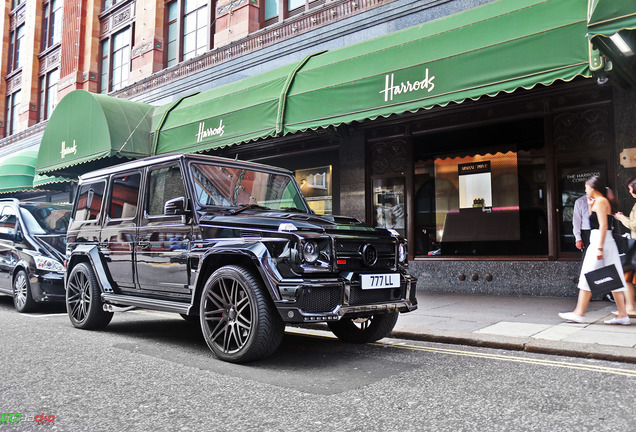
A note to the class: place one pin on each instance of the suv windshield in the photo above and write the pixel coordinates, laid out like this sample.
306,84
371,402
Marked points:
238,187
45,219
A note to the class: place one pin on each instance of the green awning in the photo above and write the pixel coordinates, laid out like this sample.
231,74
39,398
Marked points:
87,131
497,47
17,173
242,111
607,17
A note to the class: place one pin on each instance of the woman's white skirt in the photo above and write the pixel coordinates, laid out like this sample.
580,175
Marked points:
610,256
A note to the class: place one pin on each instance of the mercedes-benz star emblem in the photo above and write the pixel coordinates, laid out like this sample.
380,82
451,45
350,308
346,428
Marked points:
369,255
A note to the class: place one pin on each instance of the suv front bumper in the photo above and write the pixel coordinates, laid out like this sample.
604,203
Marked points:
330,299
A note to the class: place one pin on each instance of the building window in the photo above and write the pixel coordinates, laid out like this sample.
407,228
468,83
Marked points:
48,93
13,101
115,61
52,21
277,10
15,42
17,3
188,29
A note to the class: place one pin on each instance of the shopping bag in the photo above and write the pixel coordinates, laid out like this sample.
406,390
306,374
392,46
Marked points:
603,280
628,256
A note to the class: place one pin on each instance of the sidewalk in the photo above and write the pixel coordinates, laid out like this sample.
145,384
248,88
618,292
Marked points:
518,323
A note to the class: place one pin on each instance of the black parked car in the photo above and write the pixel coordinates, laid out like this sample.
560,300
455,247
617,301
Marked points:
233,245
32,247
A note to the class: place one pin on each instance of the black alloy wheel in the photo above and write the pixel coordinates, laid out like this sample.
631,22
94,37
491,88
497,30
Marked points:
83,299
22,297
238,319
364,330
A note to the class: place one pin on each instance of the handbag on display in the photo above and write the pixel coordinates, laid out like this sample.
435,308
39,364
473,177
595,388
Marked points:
603,280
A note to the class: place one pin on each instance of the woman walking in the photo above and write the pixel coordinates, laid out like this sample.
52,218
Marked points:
630,276
602,203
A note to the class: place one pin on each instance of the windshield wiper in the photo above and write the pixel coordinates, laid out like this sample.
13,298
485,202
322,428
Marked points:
247,206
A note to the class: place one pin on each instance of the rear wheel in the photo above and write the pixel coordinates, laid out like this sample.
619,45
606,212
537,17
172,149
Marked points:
83,299
364,330
238,319
22,297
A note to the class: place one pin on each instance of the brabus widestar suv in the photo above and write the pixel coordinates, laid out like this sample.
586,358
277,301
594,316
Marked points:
233,245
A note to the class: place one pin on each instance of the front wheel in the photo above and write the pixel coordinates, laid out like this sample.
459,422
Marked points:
364,330
238,319
83,299
22,296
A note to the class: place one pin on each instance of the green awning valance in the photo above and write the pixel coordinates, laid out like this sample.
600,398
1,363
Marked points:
17,173
87,129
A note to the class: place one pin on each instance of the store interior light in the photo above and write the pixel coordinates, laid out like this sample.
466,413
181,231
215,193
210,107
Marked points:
621,44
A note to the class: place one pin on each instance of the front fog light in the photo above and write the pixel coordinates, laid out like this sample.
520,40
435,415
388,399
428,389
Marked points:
310,252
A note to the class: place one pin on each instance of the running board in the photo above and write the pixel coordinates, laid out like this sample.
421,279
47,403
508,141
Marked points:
146,303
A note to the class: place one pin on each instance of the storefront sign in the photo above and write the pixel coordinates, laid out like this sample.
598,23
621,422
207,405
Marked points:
391,89
208,132
68,150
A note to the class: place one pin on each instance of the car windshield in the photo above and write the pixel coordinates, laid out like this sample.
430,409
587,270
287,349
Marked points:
238,187
45,218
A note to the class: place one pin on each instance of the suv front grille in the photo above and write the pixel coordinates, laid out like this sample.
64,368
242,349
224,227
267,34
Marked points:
351,252
359,296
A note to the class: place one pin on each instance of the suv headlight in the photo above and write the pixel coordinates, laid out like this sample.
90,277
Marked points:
48,264
403,253
315,254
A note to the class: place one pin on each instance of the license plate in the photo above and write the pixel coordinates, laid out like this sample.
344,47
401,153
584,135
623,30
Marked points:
379,281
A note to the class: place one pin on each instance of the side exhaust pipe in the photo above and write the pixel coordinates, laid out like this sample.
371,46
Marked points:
113,308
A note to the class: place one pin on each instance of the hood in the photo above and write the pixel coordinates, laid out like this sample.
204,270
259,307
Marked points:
270,220
54,243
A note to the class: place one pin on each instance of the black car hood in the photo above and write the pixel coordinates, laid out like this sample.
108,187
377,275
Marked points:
270,220
54,243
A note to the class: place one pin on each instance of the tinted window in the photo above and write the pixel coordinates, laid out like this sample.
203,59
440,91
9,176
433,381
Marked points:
89,201
123,198
164,184
45,219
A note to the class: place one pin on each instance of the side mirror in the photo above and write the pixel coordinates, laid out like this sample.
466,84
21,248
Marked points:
175,206
7,236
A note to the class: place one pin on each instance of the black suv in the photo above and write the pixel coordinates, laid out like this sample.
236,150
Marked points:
233,245
32,247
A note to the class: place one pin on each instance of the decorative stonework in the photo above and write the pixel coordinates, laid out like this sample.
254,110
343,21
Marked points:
231,5
50,61
586,129
14,83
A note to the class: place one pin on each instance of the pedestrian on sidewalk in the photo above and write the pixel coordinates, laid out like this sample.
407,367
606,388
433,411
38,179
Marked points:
602,203
581,223
630,276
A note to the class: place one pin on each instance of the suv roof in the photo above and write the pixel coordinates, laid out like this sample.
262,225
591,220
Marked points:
154,160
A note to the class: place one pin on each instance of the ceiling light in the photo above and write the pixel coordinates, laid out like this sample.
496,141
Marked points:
621,44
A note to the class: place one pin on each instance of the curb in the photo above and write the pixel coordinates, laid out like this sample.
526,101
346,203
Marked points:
540,346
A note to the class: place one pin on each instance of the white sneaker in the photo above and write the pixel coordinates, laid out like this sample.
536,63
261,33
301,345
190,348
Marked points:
570,317
619,321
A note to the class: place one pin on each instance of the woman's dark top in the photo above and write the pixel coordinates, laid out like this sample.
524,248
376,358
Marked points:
594,221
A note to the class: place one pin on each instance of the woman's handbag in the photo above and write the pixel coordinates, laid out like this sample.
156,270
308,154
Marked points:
626,248
604,280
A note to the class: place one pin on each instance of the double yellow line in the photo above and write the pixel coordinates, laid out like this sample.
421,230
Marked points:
514,359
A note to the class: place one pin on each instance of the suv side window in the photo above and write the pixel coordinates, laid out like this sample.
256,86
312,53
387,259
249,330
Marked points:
89,201
123,196
164,184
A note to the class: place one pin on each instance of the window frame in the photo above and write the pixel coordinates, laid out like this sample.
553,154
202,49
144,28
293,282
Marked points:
12,116
51,37
45,93
107,53
15,40
178,24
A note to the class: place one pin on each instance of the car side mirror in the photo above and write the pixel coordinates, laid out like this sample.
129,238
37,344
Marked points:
7,236
175,206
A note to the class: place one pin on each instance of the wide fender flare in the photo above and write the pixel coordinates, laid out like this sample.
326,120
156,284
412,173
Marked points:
257,253
92,253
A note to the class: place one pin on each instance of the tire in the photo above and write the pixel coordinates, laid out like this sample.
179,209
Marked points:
238,319
364,330
22,297
83,299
